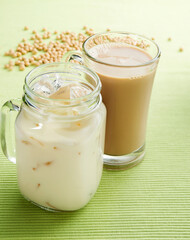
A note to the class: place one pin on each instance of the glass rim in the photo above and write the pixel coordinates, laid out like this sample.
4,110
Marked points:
117,65
95,92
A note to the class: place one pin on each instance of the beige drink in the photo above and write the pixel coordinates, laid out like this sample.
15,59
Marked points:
126,64
126,95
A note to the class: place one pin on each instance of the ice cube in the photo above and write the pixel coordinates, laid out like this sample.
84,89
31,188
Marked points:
61,93
44,88
77,91
58,82
71,91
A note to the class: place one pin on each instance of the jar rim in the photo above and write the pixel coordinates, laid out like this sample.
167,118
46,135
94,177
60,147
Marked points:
156,57
81,68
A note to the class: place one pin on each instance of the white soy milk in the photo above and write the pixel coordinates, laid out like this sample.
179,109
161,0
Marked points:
59,162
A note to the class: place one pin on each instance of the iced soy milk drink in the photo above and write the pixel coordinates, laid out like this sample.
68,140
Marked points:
60,140
126,64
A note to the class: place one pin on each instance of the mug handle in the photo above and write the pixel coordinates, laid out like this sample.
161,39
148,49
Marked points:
9,112
73,55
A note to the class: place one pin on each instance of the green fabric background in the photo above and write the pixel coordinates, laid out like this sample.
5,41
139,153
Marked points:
149,201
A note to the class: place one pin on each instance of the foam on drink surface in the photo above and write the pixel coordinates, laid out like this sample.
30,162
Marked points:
119,54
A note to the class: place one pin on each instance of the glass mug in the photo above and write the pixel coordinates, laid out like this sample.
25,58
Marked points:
126,90
59,142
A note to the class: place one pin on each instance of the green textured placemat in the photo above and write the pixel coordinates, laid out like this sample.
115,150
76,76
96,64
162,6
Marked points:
149,201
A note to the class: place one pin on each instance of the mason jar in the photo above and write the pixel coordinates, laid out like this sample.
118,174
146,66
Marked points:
59,136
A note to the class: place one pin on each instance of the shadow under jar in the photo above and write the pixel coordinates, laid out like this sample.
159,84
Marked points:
60,131
126,64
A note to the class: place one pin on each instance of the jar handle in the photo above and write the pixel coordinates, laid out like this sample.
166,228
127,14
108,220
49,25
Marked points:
73,55
9,111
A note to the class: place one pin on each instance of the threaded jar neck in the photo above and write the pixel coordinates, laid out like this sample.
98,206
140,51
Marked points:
80,85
